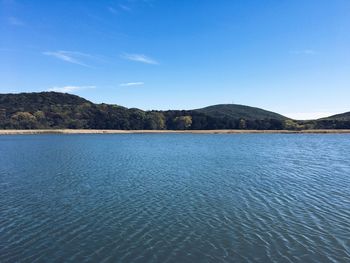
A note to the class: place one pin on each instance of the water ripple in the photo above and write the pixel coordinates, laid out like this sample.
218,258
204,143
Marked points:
175,198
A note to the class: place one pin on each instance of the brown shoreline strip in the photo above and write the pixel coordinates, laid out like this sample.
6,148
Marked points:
70,131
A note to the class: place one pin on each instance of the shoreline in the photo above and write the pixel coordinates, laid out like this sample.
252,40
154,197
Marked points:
81,131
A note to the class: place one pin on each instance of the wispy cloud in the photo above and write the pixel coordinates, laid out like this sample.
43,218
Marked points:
68,89
129,84
70,56
139,58
149,2
124,7
14,21
112,10
129,5
119,9
303,52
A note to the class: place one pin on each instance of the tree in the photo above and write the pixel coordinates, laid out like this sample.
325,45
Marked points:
183,122
155,121
23,120
242,124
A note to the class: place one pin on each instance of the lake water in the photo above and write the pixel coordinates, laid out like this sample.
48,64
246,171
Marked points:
175,198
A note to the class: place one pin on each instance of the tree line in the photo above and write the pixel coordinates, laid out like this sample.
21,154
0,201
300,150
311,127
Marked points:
57,111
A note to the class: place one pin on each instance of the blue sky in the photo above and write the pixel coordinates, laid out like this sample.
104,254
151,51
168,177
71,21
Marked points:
292,56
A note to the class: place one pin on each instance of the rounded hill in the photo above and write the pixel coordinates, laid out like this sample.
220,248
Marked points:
237,111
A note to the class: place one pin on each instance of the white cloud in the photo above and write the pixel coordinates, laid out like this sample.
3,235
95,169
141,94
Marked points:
69,56
15,21
129,84
309,115
303,52
139,58
120,8
112,10
124,7
68,89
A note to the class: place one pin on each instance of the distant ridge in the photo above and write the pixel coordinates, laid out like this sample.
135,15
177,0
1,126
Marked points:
240,111
37,101
54,110
340,117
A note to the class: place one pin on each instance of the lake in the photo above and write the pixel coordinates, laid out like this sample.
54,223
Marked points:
175,198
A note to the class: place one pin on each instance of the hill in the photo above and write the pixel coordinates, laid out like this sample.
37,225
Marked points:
53,110
38,101
338,121
340,117
240,111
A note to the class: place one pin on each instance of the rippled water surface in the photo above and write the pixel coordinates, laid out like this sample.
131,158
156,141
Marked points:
175,198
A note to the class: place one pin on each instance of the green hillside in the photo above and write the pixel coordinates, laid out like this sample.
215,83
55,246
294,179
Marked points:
53,110
340,117
38,101
240,111
339,121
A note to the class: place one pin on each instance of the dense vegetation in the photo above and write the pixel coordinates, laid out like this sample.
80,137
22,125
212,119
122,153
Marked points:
239,111
47,110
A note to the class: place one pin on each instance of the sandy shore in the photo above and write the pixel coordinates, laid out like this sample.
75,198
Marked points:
68,131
